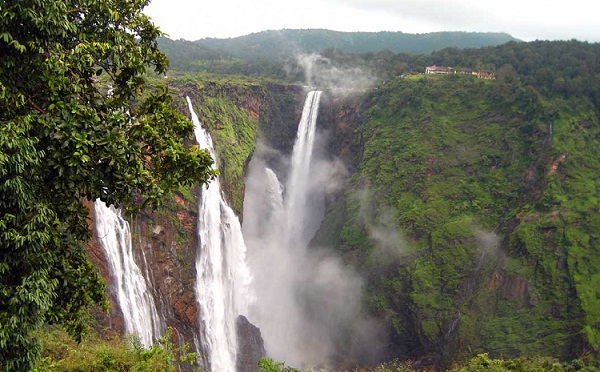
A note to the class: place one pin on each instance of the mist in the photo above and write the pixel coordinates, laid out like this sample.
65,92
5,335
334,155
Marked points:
381,226
322,72
308,303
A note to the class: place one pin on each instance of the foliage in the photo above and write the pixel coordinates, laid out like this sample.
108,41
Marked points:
278,45
270,365
562,68
395,366
494,186
64,138
565,67
483,362
192,57
97,353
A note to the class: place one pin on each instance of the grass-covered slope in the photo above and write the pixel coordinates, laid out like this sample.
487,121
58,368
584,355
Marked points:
232,109
475,214
103,352
229,110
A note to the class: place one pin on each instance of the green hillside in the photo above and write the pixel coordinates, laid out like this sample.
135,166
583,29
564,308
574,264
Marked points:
474,211
267,53
275,45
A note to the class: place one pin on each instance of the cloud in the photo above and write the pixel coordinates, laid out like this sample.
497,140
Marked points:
453,14
381,226
389,241
528,20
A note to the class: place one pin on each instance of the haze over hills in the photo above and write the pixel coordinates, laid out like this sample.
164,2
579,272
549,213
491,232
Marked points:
273,44
276,45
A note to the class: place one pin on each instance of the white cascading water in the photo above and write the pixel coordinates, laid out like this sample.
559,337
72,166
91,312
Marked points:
223,277
278,226
299,179
274,197
135,300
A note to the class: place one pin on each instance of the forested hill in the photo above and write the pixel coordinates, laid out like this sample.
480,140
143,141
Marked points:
278,46
474,207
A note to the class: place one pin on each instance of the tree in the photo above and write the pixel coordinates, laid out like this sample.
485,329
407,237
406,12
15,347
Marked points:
270,365
63,139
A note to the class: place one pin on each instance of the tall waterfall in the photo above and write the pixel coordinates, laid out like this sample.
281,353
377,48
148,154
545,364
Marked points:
137,304
299,179
222,288
278,225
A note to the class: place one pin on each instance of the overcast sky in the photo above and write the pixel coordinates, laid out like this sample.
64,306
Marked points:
524,19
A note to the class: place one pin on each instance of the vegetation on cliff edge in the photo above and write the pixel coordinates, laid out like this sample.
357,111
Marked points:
474,212
237,111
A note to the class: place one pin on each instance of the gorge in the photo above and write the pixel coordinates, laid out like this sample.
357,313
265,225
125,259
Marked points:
305,298
444,222
299,312
445,214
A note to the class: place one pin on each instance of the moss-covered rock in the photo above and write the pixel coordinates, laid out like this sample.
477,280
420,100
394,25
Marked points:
493,198
237,111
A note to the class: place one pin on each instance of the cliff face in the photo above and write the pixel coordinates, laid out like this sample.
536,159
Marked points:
164,245
165,240
464,216
251,347
169,238
238,113
470,210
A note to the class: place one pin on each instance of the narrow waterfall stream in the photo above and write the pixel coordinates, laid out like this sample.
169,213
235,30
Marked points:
278,225
297,188
133,291
223,277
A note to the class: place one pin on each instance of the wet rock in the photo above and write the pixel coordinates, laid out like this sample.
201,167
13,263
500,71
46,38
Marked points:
251,347
170,272
157,231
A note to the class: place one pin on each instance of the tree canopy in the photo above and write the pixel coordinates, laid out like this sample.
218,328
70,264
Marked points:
77,122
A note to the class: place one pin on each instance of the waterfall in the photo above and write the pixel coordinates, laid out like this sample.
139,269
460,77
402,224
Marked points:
278,225
222,287
275,197
299,179
135,300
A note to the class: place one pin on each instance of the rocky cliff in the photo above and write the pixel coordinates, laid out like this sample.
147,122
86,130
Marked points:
470,209
164,244
165,240
458,216
251,347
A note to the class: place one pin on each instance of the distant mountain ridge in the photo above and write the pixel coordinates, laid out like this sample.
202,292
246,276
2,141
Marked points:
267,53
278,44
